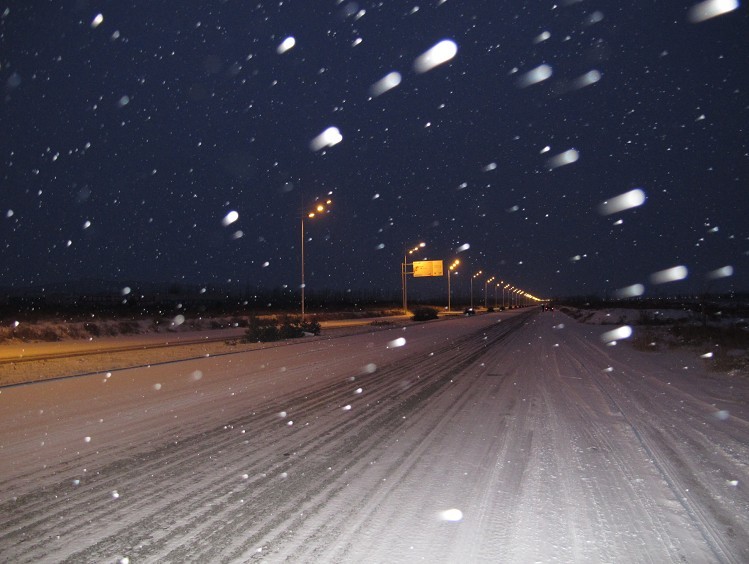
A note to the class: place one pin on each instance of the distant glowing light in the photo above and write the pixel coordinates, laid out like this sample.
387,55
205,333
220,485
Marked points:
669,275
331,136
490,167
711,9
453,515
86,224
286,45
463,247
123,101
97,21
230,218
630,291
723,272
545,150
440,53
623,332
395,343
126,290
568,157
541,37
628,200
387,82
707,355
534,76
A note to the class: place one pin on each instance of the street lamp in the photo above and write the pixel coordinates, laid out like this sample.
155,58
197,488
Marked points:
452,267
486,285
320,207
479,273
404,274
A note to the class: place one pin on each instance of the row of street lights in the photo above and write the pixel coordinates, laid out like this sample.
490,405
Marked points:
516,297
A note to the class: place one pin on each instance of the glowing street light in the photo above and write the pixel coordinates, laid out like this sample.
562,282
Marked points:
486,285
452,267
479,273
404,274
320,207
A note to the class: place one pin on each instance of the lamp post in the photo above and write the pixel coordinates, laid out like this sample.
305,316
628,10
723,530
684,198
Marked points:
486,298
452,267
318,209
495,295
479,273
404,275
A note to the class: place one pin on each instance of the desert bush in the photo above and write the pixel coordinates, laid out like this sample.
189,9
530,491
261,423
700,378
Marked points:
424,313
260,331
647,340
128,327
311,326
289,329
93,329
286,327
48,334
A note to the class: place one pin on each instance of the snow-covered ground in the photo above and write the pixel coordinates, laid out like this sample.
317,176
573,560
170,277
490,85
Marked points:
508,437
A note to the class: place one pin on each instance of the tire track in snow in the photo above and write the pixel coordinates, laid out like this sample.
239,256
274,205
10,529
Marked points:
633,395
176,495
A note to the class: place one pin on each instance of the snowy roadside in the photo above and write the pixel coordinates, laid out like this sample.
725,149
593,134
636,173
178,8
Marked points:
107,353
721,341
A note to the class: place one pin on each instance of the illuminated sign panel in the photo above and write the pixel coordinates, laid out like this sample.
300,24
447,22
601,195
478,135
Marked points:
427,268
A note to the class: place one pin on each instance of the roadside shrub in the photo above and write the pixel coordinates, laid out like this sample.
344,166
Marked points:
424,313
289,329
127,327
312,326
93,329
263,331
49,334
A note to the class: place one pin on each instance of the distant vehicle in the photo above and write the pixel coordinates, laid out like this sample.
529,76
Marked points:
469,311
490,310
547,307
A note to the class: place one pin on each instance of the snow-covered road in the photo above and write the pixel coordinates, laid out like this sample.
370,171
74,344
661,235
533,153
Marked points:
510,437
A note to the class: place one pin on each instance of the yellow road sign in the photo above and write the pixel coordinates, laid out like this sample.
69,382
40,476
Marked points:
427,268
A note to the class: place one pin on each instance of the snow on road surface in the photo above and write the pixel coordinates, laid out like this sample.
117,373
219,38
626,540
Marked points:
511,437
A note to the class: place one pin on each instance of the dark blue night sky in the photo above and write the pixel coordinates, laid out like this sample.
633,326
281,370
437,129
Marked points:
127,139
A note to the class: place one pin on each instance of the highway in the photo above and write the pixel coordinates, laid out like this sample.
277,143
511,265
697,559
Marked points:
508,437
